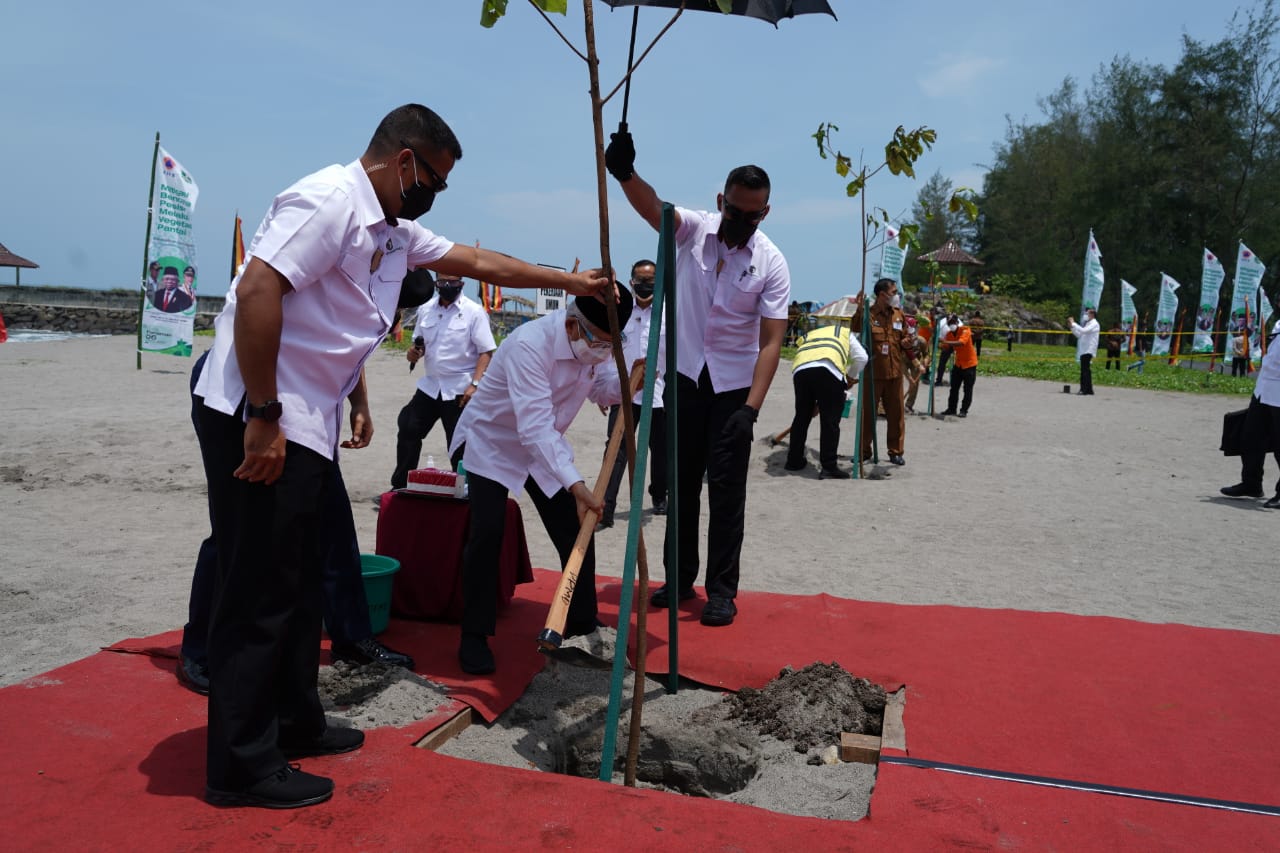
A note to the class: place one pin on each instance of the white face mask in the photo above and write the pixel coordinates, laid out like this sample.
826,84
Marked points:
586,353
896,302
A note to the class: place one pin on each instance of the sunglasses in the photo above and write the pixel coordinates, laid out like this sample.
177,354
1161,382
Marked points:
438,183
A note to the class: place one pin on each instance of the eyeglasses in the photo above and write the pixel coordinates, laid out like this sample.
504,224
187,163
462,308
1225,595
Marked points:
592,340
438,183
752,216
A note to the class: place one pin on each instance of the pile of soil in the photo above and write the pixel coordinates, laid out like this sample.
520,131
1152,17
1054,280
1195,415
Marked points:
809,708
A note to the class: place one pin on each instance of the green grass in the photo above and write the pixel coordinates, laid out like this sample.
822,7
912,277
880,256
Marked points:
1058,364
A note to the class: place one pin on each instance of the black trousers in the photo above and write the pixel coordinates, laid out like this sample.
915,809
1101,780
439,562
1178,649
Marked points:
346,608
1086,374
559,514
264,631
705,451
416,420
943,358
961,377
816,386
1261,430
1239,366
657,457
977,346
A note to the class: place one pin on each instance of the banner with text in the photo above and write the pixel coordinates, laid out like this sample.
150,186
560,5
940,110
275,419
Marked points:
1244,289
168,319
1091,296
1211,275
1127,309
892,256
1260,328
1166,315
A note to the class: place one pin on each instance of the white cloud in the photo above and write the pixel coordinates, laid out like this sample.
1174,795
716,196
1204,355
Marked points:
955,76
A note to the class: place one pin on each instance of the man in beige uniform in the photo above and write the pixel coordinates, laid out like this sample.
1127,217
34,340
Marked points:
890,345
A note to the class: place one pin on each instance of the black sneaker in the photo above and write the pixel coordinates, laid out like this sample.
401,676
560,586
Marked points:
193,675
287,788
719,612
660,507
797,466
661,597
951,412
1240,490
368,651
833,474
897,459
334,741
605,522
963,415
474,655
1274,503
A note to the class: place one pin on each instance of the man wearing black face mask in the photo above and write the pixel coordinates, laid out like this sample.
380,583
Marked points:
269,404
457,345
733,288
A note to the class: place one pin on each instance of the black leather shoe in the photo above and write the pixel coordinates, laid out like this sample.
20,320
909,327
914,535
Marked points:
474,655
193,675
1240,490
1274,503
897,459
604,523
369,650
660,507
719,612
951,412
800,466
833,474
661,597
334,741
963,415
287,788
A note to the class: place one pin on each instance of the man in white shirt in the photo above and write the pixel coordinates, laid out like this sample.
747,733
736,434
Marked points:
732,289
1261,432
314,300
511,436
1086,348
643,274
828,361
453,340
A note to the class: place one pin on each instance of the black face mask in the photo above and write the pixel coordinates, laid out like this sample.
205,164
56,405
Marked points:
416,200
642,289
735,232
448,294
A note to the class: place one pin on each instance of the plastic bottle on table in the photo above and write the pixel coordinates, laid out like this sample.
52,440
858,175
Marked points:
460,489
431,461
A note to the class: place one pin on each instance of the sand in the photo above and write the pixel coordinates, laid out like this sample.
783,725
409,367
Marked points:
1038,501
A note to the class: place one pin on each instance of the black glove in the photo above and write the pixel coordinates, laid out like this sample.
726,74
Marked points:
738,426
620,155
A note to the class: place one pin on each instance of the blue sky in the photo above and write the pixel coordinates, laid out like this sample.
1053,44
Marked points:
251,96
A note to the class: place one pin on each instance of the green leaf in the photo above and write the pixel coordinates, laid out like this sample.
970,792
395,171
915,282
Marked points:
843,165
726,6
855,186
491,11
558,7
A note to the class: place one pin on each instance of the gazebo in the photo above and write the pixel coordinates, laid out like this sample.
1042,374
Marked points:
950,254
9,259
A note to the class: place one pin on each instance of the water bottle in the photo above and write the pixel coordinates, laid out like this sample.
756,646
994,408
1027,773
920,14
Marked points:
460,489
431,461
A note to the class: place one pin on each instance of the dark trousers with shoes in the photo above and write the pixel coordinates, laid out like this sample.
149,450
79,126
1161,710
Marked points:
416,420
961,377
346,609
816,386
657,458
1239,366
705,451
1086,374
559,514
1261,432
264,632
887,393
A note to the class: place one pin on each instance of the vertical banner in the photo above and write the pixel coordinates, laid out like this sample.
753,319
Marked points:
1211,275
892,256
1128,313
1264,316
1166,314
1244,288
1091,295
169,312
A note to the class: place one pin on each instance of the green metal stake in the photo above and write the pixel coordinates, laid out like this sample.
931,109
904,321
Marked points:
667,277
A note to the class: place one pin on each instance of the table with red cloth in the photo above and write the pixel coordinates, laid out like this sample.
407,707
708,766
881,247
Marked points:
427,535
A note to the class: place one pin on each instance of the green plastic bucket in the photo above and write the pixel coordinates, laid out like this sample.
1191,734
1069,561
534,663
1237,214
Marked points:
848,409
378,572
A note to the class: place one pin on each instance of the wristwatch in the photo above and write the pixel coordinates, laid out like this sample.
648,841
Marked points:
475,383
269,411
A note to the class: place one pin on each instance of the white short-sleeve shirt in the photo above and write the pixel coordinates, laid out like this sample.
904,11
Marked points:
1267,387
719,315
326,234
515,423
453,336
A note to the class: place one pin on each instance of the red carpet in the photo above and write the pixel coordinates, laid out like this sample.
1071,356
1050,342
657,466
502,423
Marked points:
1121,703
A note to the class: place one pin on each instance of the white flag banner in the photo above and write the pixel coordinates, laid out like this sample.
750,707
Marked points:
1127,309
1211,275
1260,327
168,319
1244,288
1166,315
1091,295
892,256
